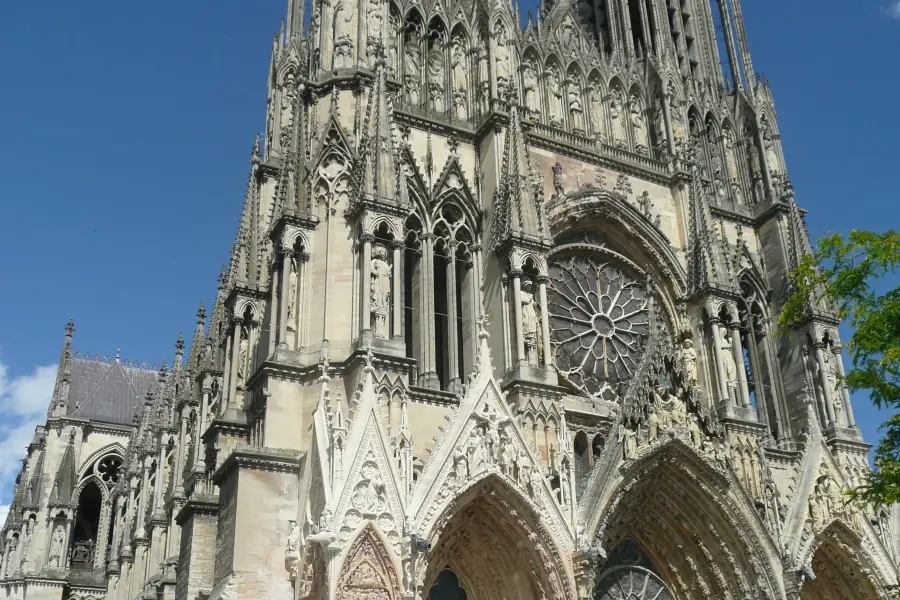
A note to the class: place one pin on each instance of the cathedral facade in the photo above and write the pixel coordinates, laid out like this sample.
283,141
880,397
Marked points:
497,324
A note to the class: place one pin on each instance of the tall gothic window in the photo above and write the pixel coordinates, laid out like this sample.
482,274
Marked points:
86,528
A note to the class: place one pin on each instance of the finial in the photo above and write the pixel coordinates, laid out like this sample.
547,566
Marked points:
223,277
117,355
254,155
179,343
201,313
71,437
483,323
325,368
370,357
70,328
162,371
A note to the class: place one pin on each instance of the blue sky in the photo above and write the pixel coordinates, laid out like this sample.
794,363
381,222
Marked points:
127,126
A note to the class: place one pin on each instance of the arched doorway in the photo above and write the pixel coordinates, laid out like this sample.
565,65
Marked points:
683,531
494,546
837,572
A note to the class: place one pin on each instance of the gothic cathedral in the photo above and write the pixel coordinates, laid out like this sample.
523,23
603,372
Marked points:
497,324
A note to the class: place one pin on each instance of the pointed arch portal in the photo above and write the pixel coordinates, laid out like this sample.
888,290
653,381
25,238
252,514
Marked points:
837,571
493,547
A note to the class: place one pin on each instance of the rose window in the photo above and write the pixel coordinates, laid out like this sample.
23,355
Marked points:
599,322
108,469
631,583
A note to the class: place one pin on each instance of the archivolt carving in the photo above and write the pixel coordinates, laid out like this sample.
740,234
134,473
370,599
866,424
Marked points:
368,571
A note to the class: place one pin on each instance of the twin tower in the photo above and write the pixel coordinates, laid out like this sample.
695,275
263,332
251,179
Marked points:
497,324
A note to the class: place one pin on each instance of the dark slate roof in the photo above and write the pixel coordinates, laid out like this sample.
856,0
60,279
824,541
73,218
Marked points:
111,391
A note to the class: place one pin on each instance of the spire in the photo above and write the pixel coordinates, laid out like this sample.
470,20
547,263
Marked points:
199,334
60,400
517,209
381,170
64,483
707,264
35,483
179,352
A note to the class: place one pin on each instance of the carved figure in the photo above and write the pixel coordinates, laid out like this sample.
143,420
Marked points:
508,456
380,290
343,42
616,106
460,78
727,356
287,101
529,77
771,153
557,181
576,112
529,323
375,23
436,78
501,62
413,74
292,296
555,97
26,543
598,125
243,347
293,540
687,359
57,542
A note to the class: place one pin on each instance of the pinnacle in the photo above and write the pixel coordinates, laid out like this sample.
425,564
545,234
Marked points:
70,328
201,313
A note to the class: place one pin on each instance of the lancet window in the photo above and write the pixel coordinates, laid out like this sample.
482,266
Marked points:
88,543
758,360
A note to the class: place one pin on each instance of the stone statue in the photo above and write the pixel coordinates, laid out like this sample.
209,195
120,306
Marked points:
771,153
436,78
57,543
393,59
529,323
576,112
565,493
555,97
687,359
728,356
558,190
343,42
413,73
507,456
637,119
616,105
380,290
459,79
26,543
659,125
287,101
630,441
501,60
292,297
375,23
598,124
293,541
529,77
645,204
243,346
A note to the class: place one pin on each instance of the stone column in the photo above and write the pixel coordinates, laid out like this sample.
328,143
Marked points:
476,271
737,348
396,291
199,459
428,369
103,534
302,306
117,529
517,311
226,376
285,301
845,393
235,359
64,555
365,286
142,505
275,312
545,322
504,300
720,366
826,387
179,454
160,474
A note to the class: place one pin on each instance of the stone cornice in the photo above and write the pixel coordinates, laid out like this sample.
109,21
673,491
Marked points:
258,459
203,505
436,397
222,426
848,445
89,425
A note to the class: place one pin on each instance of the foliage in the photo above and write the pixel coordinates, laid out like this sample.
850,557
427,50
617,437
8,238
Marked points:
850,275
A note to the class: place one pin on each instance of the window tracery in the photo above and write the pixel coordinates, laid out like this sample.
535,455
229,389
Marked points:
599,321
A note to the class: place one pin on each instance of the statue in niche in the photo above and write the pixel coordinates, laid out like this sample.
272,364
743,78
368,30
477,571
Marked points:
11,553
287,101
375,23
771,153
728,357
530,83
477,451
507,456
293,540
645,204
380,290
535,482
459,78
596,109
436,78
26,543
57,543
370,494
501,63
576,112
243,345
616,107
529,323
687,359
731,168
637,120
292,297
629,437
555,97
564,492
393,60
413,73
343,42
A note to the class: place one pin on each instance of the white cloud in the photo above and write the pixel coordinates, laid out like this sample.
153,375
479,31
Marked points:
893,10
23,404
4,510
